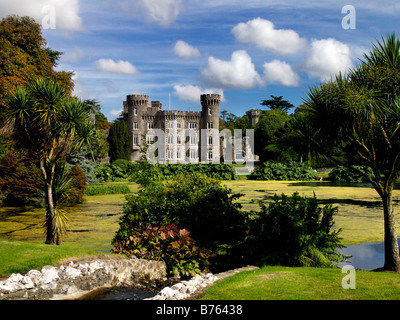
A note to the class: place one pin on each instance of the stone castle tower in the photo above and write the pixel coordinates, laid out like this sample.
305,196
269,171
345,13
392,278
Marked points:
182,129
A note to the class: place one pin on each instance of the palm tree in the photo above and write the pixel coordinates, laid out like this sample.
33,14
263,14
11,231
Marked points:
362,111
48,122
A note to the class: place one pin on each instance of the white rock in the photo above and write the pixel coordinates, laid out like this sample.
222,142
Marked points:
72,272
35,276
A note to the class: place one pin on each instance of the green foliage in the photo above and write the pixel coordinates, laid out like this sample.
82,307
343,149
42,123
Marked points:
98,189
119,141
277,103
193,202
168,243
143,172
293,231
351,174
289,171
267,132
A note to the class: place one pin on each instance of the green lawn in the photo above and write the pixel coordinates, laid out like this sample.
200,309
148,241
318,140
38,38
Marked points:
19,256
284,283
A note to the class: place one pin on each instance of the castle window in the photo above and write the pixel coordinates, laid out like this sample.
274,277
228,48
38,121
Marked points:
149,139
193,140
178,154
210,111
150,125
179,125
210,155
171,125
170,154
192,125
178,140
135,125
136,139
210,125
170,139
210,140
135,111
193,154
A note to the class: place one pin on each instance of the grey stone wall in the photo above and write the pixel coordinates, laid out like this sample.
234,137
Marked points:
76,279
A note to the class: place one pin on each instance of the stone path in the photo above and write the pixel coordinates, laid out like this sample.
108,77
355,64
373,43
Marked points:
194,288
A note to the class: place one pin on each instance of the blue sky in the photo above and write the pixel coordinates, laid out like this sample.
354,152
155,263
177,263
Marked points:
174,50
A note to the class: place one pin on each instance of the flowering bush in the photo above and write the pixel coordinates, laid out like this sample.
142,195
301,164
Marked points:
172,245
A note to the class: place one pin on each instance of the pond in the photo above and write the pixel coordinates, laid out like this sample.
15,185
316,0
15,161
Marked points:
365,256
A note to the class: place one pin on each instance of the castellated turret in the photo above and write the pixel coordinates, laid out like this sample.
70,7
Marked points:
210,111
209,125
254,117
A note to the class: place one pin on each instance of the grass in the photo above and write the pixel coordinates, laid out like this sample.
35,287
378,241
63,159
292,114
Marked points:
284,283
100,189
19,256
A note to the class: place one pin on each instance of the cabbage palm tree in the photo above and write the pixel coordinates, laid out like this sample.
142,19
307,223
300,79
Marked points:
362,111
48,122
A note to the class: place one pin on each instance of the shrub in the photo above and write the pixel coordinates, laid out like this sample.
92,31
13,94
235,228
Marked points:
175,247
194,202
293,231
77,186
289,171
20,180
351,174
143,172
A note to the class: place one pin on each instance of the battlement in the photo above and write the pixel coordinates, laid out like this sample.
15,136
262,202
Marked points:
210,99
137,100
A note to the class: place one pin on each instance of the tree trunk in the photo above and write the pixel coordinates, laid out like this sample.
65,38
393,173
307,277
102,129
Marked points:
392,259
53,236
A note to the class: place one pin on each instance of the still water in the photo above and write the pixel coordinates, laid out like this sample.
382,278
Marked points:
366,256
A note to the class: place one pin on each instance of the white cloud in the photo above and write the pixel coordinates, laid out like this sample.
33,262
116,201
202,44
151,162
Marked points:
163,12
263,34
184,50
66,13
328,57
109,65
116,113
280,72
192,93
237,73
73,56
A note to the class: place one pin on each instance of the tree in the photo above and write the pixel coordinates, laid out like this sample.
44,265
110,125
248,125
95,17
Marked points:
277,103
48,122
119,141
361,110
267,131
24,56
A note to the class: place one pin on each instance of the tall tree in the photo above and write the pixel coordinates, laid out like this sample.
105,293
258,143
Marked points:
361,110
277,103
48,122
120,141
267,131
24,56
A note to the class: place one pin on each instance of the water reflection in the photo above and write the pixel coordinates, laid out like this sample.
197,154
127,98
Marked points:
365,256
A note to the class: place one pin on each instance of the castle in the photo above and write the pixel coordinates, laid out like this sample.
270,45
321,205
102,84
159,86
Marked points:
190,136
